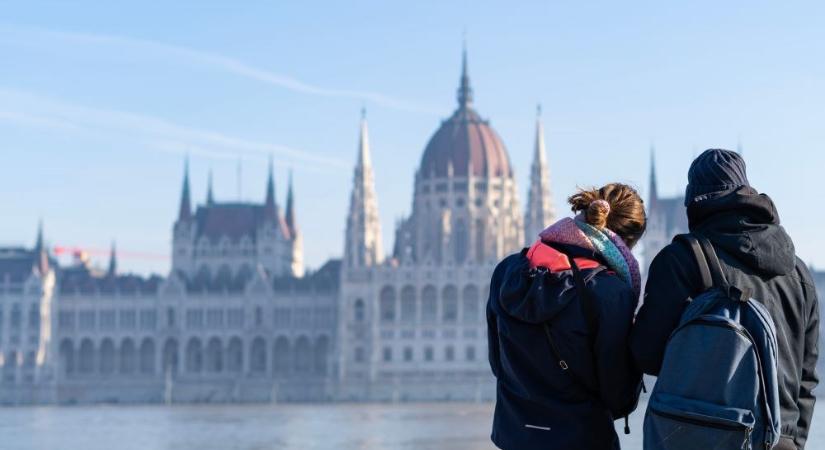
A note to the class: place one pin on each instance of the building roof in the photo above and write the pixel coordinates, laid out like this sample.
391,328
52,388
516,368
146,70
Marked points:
465,143
17,263
81,279
233,220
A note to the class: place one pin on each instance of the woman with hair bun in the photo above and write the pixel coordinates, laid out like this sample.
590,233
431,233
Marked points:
559,318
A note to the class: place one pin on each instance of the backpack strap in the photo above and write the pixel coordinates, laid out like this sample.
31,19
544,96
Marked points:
590,315
588,303
719,279
699,255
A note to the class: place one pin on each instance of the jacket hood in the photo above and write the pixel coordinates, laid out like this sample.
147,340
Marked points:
745,224
534,295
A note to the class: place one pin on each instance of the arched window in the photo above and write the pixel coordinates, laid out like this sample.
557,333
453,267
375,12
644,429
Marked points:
358,311
257,356
16,316
470,304
281,357
67,361
170,356
194,355
449,353
408,308
460,241
449,304
234,355
203,278
303,355
127,356
34,317
107,357
243,276
481,242
87,357
429,304
387,304
214,356
147,356
321,354
470,353
223,279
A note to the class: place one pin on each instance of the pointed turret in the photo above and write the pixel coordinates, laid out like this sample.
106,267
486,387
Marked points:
540,211
270,206
210,198
112,270
185,210
465,92
654,184
363,234
40,252
290,207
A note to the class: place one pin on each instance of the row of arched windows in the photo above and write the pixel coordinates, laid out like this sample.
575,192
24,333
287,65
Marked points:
408,308
128,357
211,356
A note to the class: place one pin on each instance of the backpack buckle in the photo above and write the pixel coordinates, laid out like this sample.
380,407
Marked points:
740,295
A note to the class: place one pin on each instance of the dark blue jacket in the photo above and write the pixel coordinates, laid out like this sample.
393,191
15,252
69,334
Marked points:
538,405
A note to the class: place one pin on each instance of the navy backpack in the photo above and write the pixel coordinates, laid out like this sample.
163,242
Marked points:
717,388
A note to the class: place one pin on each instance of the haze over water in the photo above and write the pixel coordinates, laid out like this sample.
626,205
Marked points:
415,426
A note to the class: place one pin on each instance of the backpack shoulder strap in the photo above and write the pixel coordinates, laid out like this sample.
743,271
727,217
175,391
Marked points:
588,303
590,315
699,255
719,279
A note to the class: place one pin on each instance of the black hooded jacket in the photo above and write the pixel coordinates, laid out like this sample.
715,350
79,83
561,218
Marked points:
538,405
756,252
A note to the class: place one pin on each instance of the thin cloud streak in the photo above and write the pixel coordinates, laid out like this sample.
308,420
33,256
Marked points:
37,111
214,60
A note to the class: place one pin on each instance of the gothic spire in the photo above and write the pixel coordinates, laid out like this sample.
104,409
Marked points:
465,92
210,198
270,206
41,254
112,271
290,206
38,244
540,211
185,210
363,231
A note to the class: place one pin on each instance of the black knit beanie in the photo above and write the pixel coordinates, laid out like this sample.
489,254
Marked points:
715,171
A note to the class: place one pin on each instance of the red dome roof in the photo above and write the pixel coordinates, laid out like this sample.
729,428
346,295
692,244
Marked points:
468,143
465,142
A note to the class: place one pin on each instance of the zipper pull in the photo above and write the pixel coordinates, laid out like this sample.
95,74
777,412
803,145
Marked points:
626,426
747,444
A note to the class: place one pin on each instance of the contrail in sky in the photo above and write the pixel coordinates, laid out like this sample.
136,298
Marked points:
28,35
26,109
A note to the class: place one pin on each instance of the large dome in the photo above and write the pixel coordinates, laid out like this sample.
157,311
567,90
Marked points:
465,142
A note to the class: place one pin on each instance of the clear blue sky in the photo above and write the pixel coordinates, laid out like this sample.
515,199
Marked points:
100,101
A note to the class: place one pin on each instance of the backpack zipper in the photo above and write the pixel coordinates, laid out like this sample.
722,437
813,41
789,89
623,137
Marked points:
721,426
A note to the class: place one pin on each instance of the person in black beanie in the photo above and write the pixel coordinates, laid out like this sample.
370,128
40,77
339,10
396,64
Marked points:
755,252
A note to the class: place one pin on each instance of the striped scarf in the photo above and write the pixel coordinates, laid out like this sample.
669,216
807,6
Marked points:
609,245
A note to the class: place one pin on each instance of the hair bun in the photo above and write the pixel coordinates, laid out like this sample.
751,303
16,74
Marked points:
597,213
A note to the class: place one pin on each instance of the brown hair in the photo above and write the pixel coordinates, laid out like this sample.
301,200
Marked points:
625,215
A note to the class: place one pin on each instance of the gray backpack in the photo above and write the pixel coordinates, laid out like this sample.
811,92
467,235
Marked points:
717,388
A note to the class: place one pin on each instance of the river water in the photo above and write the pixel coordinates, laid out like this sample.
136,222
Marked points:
443,426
